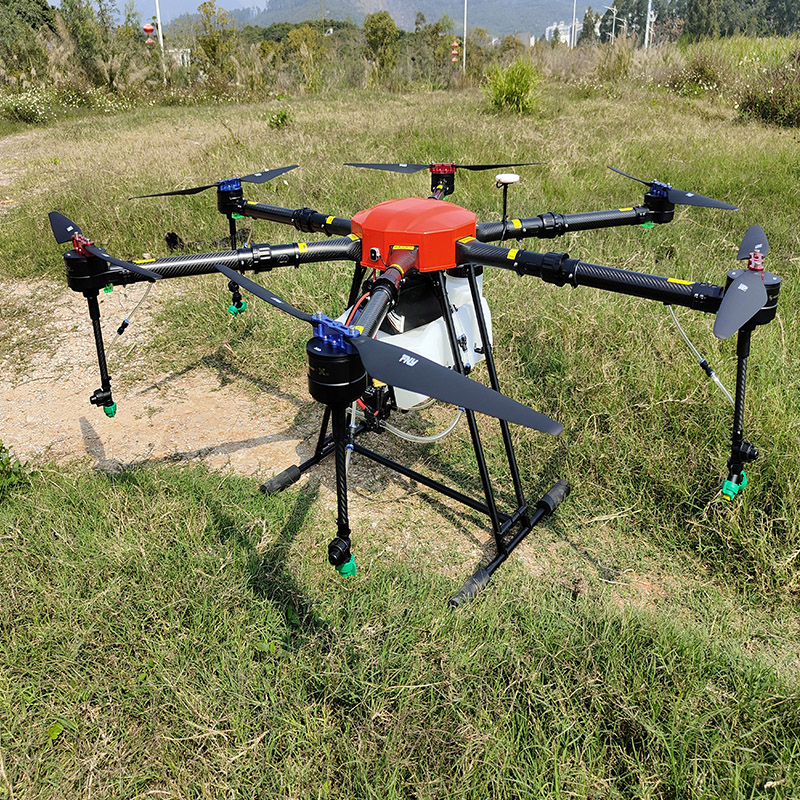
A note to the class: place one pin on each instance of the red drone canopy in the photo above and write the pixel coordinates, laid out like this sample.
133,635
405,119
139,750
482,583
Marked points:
432,225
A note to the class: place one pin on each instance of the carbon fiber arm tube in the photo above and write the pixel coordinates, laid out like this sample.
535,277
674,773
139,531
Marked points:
260,257
550,225
199,263
89,274
559,269
304,219
384,293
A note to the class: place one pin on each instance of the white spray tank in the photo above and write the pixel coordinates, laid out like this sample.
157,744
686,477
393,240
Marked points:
432,342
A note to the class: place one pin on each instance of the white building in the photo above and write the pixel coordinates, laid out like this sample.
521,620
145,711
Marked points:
564,31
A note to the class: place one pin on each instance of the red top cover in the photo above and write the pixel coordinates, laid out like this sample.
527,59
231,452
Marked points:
432,225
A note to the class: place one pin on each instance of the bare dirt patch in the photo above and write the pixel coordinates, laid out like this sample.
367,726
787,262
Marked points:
48,369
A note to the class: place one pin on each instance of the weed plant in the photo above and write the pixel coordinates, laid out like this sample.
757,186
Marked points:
773,96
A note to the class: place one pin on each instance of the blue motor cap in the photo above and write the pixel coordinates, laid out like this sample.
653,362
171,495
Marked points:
658,189
334,333
231,185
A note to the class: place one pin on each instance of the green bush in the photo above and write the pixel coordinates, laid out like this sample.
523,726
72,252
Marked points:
513,88
702,74
33,106
280,119
12,473
773,95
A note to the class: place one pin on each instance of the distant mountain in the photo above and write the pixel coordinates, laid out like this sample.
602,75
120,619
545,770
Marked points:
521,16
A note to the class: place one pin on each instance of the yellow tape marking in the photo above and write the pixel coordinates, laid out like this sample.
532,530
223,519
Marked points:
354,236
675,280
145,261
467,239
329,220
377,384
627,209
512,255
302,246
403,246
516,223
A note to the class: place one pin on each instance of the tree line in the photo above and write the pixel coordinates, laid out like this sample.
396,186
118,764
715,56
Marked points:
90,43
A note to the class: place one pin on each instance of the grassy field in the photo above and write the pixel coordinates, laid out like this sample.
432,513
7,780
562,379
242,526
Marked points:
170,632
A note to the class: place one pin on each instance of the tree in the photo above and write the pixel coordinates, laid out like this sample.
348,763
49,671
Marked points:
81,23
308,47
703,18
591,22
21,47
216,40
381,35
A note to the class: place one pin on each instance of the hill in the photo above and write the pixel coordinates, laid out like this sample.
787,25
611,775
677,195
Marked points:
497,18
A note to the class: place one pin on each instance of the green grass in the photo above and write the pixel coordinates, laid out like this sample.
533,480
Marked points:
171,632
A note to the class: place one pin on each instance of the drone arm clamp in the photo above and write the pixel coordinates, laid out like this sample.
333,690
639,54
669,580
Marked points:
550,225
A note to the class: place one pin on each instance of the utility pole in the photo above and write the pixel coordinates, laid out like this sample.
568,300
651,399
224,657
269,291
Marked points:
161,43
464,43
572,37
614,24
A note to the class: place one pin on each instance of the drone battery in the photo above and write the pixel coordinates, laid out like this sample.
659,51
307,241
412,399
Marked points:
335,377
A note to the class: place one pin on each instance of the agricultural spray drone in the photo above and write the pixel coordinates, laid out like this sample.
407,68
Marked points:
416,323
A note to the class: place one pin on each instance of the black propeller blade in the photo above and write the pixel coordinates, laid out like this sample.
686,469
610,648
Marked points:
255,177
755,241
406,369
65,230
678,196
409,168
404,168
498,166
746,295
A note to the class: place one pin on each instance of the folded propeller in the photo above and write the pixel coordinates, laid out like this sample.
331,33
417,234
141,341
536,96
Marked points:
66,230
405,369
677,196
746,295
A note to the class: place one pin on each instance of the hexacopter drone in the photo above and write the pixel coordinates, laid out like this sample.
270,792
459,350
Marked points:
416,322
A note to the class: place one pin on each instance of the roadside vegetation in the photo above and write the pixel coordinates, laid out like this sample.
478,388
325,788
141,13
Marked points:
168,631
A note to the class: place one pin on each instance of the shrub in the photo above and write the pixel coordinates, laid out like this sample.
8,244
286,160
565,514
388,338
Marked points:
279,119
33,106
513,88
702,74
615,62
12,473
773,96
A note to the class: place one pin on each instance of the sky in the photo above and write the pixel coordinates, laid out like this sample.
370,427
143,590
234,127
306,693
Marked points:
174,8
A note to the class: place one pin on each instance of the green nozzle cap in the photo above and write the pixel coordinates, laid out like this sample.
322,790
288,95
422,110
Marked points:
108,288
345,570
730,489
648,224
240,309
110,411
237,216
